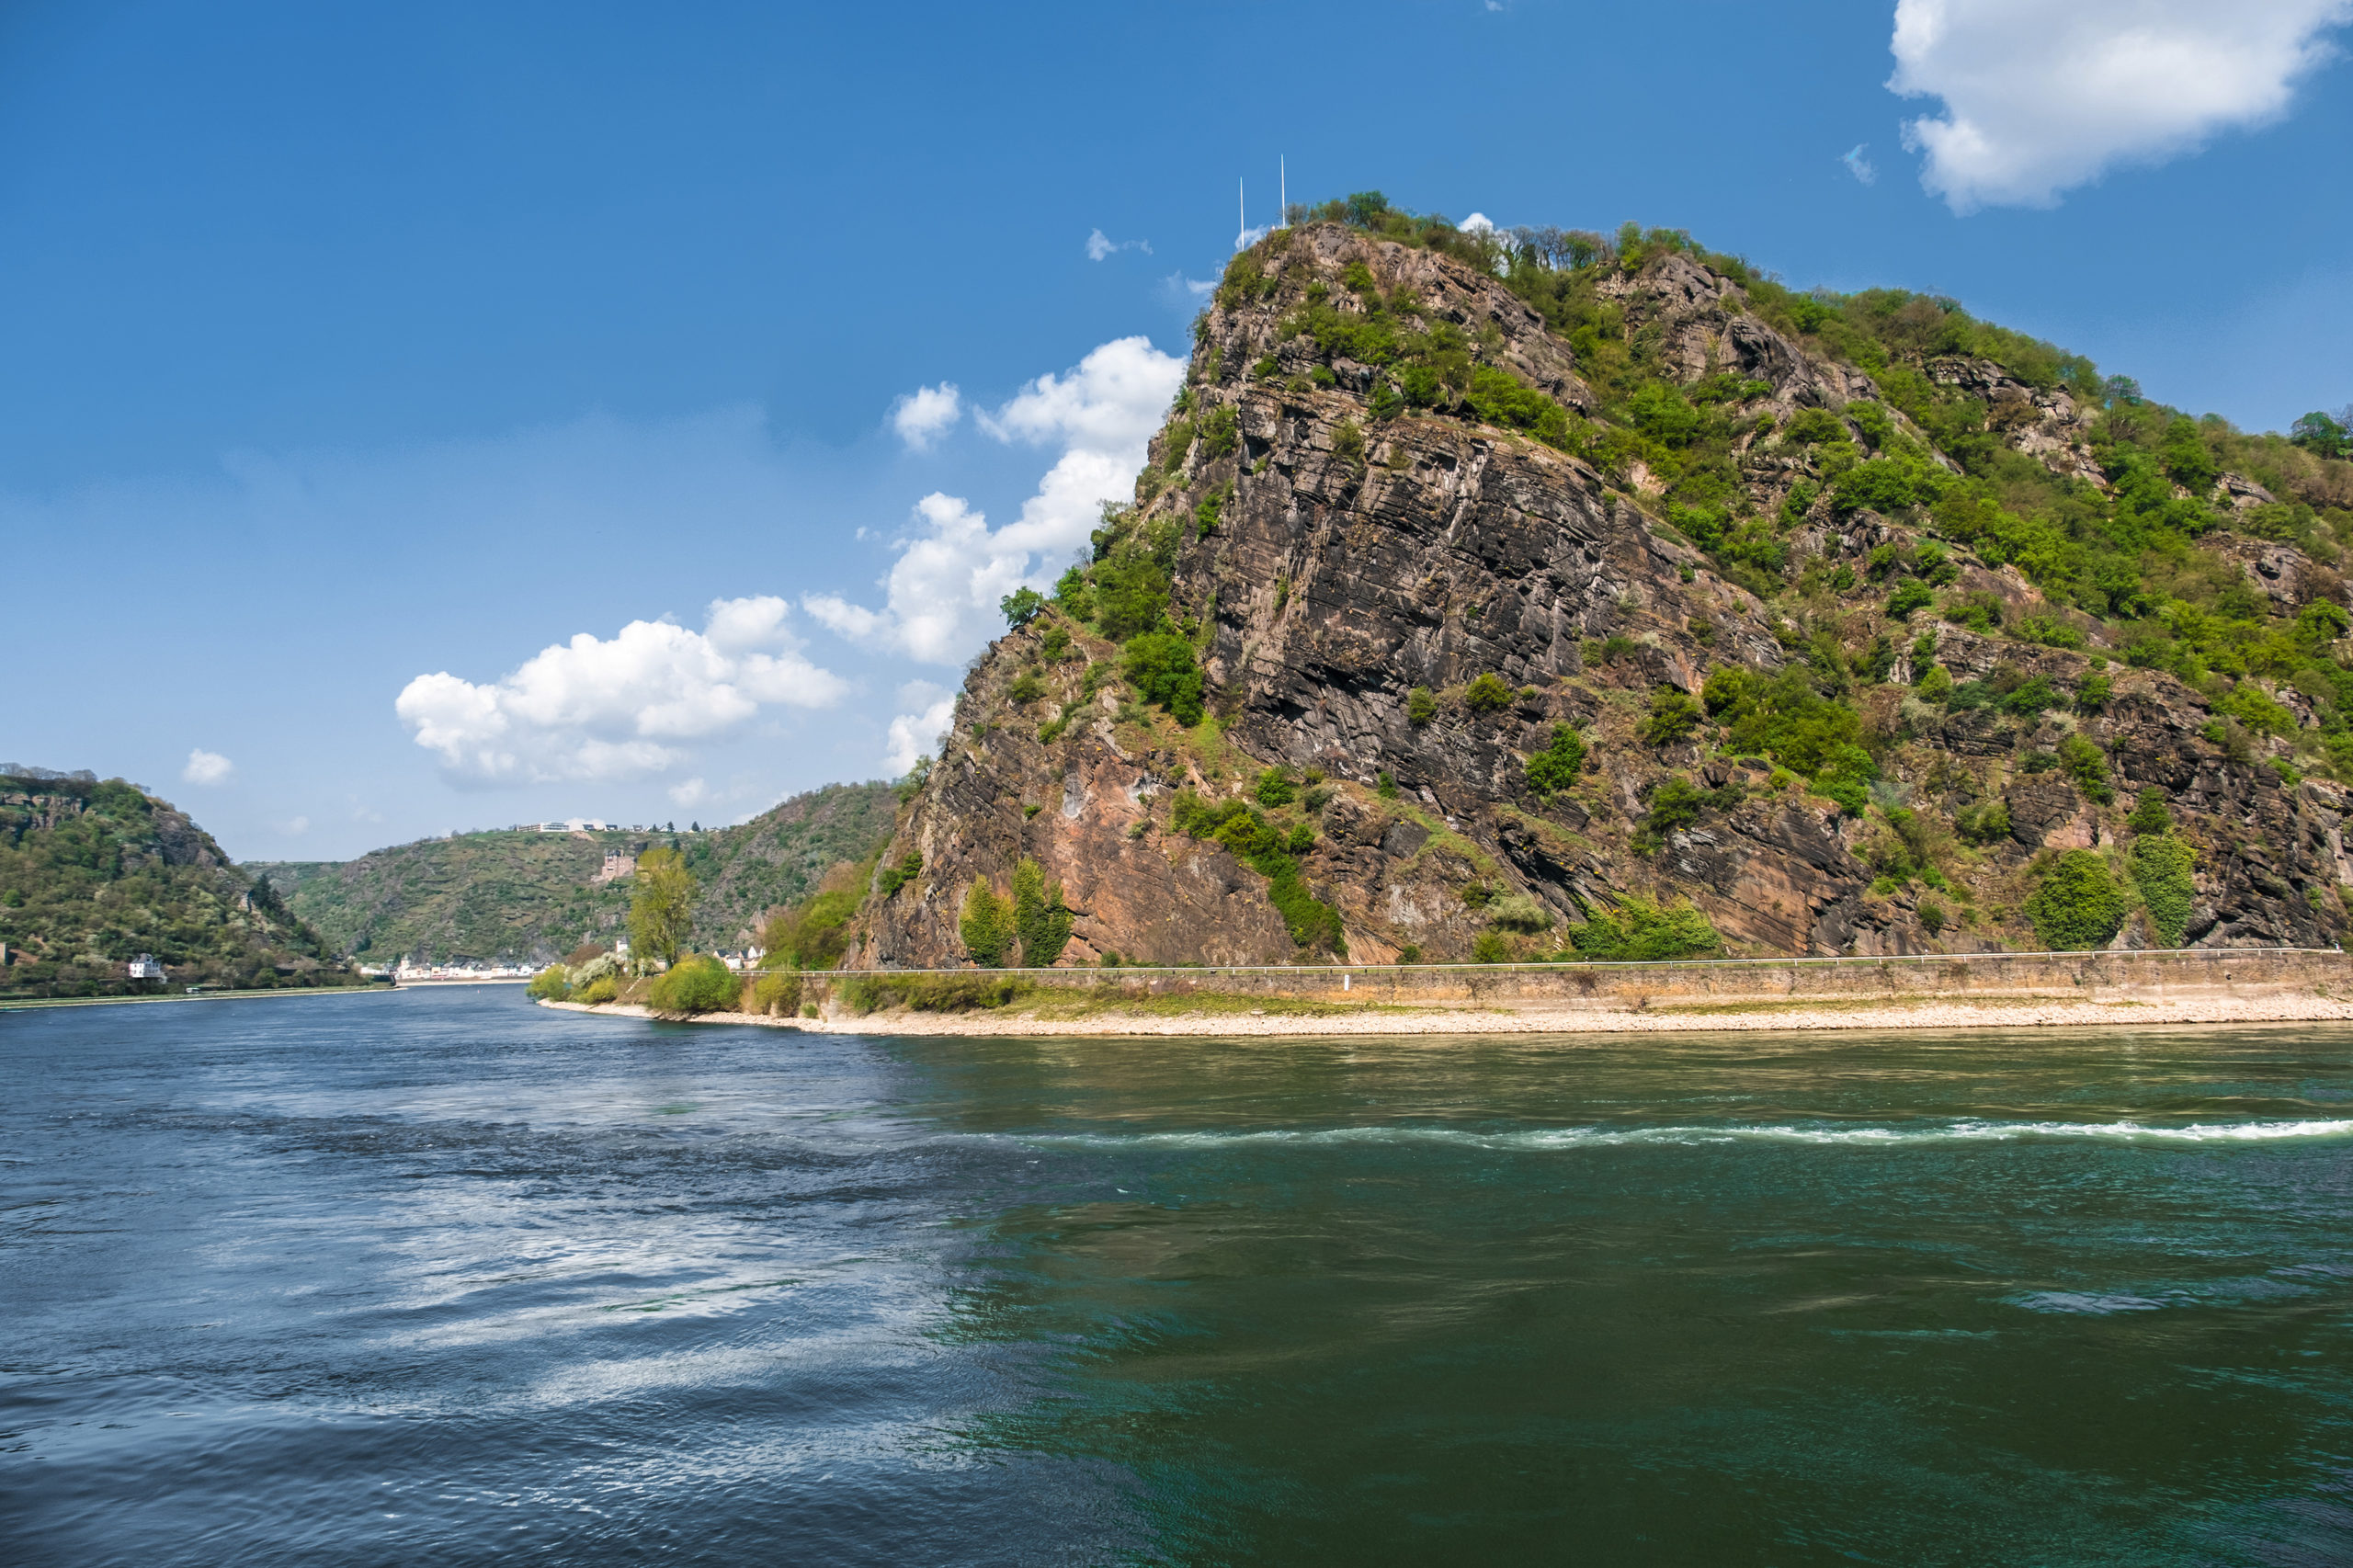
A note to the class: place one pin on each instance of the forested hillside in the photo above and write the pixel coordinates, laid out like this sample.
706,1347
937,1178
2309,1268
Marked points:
501,896
95,873
779,857
1544,593
480,896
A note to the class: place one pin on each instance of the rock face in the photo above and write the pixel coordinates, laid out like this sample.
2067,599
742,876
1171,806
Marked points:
1333,557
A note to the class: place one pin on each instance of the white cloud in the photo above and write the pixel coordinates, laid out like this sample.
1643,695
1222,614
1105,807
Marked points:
692,792
208,768
1858,166
942,590
295,828
609,710
2042,97
1113,401
926,414
941,594
914,734
1478,224
1100,244
1249,237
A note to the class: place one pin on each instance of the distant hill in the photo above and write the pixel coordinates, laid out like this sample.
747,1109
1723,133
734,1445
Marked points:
534,896
479,895
779,856
95,873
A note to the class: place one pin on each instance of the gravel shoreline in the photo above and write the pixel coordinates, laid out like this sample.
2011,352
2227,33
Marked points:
1924,1015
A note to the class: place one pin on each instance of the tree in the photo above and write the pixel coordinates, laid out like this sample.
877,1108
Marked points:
1076,594
815,933
2323,434
1160,665
2078,905
1910,595
1557,765
986,924
2160,865
1674,714
700,985
1130,595
661,912
1040,917
1022,606
778,995
2087,766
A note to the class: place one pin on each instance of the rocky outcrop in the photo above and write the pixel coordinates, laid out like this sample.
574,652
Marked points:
2283,574
1328,565
2042,422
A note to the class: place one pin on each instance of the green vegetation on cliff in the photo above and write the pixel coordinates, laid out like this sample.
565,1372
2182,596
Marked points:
2113,539
1545,593
95,873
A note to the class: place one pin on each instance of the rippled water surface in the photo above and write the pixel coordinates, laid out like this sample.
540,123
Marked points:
440,1277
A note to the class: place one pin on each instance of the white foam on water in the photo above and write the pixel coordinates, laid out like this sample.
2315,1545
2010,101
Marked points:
1538,1140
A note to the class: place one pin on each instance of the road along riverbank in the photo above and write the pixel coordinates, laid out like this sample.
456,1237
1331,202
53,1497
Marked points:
1940,992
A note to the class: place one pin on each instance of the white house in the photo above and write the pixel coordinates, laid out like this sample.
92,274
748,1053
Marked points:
146,967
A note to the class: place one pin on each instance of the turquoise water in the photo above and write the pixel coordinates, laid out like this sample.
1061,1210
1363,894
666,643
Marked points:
443,1278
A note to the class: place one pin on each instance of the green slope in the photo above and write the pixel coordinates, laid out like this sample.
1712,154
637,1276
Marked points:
93,874
533,896
483,896
779,855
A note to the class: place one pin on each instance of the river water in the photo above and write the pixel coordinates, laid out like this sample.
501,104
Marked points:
441,1278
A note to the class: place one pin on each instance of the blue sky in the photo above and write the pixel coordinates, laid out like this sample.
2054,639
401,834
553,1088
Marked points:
495,345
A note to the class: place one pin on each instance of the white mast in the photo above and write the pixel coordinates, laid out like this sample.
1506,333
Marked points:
1283,186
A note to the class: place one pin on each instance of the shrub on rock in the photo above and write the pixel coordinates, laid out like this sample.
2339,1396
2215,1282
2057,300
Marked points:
2078,905
2160,865
1641,929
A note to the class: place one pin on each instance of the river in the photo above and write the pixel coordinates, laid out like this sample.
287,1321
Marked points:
442,1277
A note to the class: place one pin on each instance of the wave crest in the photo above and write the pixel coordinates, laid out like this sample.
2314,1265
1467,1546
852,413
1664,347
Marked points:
1538,1140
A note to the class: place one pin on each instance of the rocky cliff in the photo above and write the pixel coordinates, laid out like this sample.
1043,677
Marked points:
1519,605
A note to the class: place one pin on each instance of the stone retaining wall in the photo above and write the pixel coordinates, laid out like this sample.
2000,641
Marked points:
2178,975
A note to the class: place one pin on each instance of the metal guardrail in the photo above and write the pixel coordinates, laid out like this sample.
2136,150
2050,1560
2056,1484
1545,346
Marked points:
2213,954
